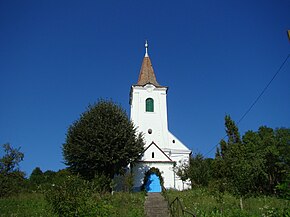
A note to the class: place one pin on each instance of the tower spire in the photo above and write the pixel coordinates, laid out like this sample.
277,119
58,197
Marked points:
146,48
147,75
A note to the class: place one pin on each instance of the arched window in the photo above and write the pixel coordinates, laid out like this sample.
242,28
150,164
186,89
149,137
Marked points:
152,155
149,105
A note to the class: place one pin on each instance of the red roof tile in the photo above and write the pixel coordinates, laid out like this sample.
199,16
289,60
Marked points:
147,75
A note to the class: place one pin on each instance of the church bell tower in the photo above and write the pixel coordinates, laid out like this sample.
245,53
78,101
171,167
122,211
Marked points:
149,114
148,105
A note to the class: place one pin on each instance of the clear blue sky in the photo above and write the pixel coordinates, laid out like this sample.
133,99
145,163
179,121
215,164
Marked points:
56,57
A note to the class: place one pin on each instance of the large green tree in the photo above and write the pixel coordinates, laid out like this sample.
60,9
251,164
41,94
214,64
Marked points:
276,150
255,163
235,164
102,141
269,151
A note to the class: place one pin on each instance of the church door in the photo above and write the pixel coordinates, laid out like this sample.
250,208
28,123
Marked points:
153,183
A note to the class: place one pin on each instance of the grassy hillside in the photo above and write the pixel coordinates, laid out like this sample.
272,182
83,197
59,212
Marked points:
199,201
202,203
30,205
25,205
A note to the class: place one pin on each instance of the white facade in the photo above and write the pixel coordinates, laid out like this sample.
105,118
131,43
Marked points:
162,149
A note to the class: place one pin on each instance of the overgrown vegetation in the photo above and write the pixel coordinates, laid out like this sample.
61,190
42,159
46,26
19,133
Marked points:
78,197
250,175
256,164
11,178
25,204
117,205
203,202
62,193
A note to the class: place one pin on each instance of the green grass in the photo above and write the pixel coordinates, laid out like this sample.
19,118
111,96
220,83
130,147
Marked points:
202,203
199,201
30,205
25,205
128,205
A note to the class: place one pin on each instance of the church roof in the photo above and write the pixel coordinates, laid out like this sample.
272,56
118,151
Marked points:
147,75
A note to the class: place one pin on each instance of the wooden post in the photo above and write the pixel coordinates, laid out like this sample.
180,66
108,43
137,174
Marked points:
288,34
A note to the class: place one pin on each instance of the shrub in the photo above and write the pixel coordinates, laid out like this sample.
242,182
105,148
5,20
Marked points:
12,183
25,204
284,188
77,197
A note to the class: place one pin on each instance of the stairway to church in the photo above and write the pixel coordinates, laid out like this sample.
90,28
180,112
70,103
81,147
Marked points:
156,206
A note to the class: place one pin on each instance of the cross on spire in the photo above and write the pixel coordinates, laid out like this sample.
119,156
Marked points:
146,48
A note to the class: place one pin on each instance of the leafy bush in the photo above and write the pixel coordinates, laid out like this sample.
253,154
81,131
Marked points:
103,205
12,183
27,204
284,188
76,197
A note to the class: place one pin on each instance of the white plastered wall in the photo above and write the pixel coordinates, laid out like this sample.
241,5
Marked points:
157,120
166,141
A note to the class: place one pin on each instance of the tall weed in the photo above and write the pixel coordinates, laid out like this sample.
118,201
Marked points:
25,205
203,203
77,197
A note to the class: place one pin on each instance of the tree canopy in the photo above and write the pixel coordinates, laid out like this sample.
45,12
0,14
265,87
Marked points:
251,164
11,178
102,141
256,163
10,161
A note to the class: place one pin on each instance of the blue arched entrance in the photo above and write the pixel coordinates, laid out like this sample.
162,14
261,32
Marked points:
153,183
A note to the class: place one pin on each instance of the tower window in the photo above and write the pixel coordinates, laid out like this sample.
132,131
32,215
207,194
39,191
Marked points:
149,105
152,154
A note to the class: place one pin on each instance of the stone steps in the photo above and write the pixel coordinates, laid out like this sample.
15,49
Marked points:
156,206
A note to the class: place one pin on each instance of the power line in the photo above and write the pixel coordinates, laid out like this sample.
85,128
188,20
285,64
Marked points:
263,91
214,147
256,100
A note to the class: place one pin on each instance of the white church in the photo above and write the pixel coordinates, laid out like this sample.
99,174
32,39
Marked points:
163,150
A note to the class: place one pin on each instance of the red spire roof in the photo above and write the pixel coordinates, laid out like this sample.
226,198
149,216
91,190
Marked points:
147,75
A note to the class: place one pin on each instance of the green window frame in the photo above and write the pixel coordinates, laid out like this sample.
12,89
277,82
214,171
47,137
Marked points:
149,105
